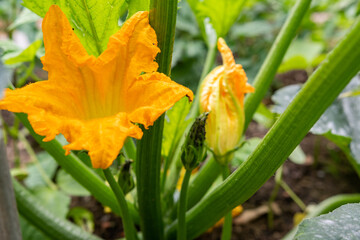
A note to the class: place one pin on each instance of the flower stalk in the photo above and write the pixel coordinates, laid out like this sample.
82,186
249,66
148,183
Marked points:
273,60
181,233
130,231
193,151
227,226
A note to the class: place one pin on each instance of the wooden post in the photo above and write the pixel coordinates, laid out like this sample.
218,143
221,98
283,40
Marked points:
9,218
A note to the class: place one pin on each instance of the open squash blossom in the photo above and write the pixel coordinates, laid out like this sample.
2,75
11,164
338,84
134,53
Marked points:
222,94
94,102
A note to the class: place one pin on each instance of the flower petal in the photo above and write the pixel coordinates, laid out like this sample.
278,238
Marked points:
130,52
47,106
103,138
42,96
210,89
227,55
64,51
158,94
52,111
93,101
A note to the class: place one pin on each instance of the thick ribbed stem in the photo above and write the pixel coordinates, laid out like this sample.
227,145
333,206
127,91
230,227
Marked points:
148,163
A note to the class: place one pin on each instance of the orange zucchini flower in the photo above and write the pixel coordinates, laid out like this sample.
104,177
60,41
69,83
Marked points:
222,94
94,102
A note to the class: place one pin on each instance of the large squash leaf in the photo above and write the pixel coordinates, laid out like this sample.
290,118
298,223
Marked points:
220,15
340,123
342,223
175,125
93,21
137,5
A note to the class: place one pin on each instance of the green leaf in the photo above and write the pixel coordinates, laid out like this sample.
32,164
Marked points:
8,46
321,89
221,15
244,152
342,223
340,123
137,5
301,54
69,186
19,173
264,116
54,201
25,56
34,178
83,218
175,125
252,29
33,210
298,156
26,16
283,97
40,7
93,21
295,62
353,93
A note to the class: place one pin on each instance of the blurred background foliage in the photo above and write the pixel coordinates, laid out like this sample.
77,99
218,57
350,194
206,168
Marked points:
250,38
254,31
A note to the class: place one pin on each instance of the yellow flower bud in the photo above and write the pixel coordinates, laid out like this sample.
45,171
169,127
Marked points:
222,94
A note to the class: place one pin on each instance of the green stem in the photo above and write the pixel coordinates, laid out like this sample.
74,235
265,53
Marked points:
181,233
28,72
163,20
227,226
17,162
321,89
273,196
130,232
326,206
148,181
4,130
14,132
79,171
293,195
13,16
201,183
35,77
171,182
148,163
34,158
209,63
130,148
273,60
32,210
